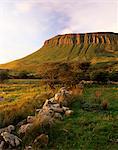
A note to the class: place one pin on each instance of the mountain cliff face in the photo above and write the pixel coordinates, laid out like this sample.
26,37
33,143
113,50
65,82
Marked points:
87,38
94,47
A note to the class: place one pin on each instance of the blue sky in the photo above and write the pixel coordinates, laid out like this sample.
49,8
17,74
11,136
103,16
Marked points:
26,24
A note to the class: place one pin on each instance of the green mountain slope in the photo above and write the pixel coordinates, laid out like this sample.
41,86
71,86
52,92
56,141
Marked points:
94,47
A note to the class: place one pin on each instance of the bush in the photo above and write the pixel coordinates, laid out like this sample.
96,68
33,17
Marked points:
84,66
83,76
104,105
4,75
23,75
114,76
100,77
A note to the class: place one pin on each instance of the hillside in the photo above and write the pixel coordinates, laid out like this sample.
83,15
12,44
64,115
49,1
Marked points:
101,47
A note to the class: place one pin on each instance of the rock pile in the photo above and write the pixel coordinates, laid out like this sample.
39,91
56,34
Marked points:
9,129
7,139
52,110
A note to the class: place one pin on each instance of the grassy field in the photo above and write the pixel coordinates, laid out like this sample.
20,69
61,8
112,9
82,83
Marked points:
21,98
91,127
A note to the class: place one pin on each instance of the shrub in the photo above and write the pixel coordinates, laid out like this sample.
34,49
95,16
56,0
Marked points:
83,76
23,75
114,76
104,105
84,66
4,75
102,77
64,67
97,97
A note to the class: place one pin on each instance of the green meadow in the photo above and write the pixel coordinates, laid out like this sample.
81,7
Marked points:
93,126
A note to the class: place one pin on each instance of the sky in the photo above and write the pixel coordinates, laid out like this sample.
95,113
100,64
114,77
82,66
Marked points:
26,24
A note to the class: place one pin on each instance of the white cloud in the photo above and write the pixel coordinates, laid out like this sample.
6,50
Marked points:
92,17
67,30
86,15
24,6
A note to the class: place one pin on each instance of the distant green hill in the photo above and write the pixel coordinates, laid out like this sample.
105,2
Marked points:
97,48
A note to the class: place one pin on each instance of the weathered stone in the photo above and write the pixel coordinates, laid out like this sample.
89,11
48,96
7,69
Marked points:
24,128
21,123
47,104
2,145
59,110
65,108
52,100
45,119
63,89
28,148
58,116
37,111
57,96
9,129
13,140
62,97
56,108
30,119
69,112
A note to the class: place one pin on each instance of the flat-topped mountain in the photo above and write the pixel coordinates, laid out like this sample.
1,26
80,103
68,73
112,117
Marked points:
94,47
87,38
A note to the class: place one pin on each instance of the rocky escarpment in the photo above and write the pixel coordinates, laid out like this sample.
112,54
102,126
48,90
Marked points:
87,38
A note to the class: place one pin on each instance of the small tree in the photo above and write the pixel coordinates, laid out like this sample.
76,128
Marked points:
49,77
4,75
